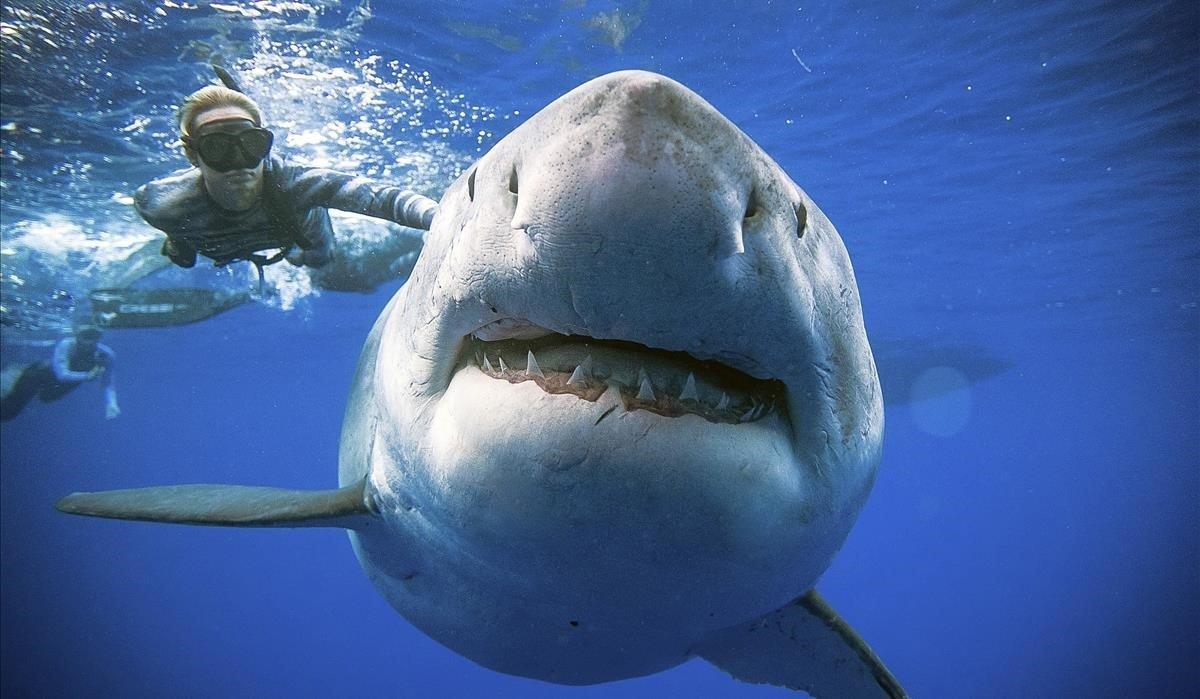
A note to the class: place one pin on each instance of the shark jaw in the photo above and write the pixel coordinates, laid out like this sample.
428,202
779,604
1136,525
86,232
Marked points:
578,500
667,383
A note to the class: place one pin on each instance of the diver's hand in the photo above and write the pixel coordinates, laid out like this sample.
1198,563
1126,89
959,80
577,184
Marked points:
313,258
111,411
178,254
296,256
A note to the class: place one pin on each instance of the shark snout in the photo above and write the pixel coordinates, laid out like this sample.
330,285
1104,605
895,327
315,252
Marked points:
646,95
635,213
644,195
647,167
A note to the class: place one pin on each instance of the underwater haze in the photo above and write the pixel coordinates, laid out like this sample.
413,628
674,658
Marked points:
1018,185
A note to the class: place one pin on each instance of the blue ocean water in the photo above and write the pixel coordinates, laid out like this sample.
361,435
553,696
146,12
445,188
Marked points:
1018,185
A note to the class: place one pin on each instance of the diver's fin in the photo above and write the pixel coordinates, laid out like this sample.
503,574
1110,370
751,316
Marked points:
803,645
230,506
227,78
159,308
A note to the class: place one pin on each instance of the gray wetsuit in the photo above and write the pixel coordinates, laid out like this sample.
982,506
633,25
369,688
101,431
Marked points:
291,212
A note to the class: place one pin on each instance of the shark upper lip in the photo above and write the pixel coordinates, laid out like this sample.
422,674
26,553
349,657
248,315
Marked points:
660,381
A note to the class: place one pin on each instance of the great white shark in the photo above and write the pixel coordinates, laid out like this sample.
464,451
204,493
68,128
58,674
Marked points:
623,413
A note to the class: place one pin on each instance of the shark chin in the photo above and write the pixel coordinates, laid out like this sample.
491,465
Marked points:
634,484
623,414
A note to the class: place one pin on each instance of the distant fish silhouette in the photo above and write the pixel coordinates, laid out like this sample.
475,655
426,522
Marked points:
902,362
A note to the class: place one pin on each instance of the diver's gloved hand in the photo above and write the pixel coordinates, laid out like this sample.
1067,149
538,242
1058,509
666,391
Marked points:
178,254
427,217
313,257
295,255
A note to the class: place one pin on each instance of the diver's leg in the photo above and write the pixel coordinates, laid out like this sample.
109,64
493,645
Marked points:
52,389
19,383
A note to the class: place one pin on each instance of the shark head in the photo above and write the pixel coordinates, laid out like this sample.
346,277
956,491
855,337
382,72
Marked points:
625,399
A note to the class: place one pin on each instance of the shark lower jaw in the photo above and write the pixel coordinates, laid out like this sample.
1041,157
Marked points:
666,383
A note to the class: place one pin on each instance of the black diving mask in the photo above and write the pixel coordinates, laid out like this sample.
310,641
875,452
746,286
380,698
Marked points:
223,151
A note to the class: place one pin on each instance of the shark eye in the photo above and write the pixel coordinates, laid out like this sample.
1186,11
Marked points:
471,186
512,181
801,219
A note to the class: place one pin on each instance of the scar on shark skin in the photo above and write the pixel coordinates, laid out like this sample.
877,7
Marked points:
603,415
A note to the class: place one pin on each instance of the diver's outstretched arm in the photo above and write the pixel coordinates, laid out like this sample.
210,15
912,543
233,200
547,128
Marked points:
314,187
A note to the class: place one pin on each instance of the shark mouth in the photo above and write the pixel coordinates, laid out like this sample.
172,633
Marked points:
667,383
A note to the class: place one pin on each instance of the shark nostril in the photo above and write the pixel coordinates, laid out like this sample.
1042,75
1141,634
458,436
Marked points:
801,219
512,181
751,205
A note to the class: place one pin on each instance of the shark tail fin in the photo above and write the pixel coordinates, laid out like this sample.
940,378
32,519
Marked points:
351,507
804,645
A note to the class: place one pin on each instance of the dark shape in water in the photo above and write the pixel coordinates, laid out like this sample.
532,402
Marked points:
901,363
613,28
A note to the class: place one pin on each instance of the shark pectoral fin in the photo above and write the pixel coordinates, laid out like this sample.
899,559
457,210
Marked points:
804,645
350,507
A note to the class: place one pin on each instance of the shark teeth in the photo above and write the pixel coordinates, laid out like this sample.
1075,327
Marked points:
582,373
531,366
689,389
656,386
645,391
578,378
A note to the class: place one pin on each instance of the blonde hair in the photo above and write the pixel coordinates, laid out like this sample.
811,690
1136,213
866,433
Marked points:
211,97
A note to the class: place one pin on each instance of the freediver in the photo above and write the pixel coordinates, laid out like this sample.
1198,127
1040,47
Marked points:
239,200
77,359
